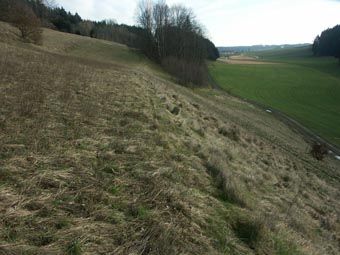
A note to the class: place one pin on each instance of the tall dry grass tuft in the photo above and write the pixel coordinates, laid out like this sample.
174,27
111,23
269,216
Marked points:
232,133
30,98
230,187
250,230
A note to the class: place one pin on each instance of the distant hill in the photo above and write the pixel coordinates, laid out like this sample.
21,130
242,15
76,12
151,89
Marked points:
240,49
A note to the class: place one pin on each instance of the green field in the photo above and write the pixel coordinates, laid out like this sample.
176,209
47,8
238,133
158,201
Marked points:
306,88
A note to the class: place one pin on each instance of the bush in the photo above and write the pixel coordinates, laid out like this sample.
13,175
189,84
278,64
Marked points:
232,133
319,151
29,25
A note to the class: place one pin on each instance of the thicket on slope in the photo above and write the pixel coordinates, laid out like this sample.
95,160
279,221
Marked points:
186,72
173,37
29,25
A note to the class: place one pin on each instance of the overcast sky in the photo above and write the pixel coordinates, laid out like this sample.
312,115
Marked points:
233,22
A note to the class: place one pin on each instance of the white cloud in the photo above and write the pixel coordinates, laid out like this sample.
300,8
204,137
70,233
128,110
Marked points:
233,22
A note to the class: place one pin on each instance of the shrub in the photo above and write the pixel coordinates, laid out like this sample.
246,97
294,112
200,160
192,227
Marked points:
319,151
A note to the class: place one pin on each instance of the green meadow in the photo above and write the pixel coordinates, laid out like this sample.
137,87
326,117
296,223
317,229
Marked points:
304,87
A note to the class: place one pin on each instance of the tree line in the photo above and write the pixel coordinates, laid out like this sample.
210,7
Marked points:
170,36
48,15
328,43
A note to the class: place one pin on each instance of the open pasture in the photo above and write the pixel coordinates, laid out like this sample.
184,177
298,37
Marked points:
306,88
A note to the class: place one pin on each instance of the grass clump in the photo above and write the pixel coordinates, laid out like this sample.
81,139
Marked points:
230,189
62,222
232,133
283,248
113,190
41,239
140,212
74,248
220,232
10,234
249,230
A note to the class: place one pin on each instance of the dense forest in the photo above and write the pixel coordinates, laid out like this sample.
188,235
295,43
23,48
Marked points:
328,43
170,36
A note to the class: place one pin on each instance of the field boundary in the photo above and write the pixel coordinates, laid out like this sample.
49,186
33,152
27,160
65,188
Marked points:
309,136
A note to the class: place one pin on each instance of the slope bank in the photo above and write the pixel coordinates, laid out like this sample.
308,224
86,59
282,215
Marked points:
103,155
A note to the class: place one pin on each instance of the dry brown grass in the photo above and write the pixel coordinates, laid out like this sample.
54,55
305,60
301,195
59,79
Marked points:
93,160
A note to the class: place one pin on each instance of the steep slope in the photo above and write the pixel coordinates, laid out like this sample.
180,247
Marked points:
102,153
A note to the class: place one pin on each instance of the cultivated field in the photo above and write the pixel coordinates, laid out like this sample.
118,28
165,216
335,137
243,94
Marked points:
244,60
99,154
304,87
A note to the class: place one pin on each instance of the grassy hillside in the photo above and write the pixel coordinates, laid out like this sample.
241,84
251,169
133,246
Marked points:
101,155
304,87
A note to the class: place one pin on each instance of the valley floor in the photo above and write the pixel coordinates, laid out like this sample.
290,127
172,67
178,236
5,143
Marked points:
292,81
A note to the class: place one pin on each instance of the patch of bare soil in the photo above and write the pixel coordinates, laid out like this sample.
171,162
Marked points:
243,60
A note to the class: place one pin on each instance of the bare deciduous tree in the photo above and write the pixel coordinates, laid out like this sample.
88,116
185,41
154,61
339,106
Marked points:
174,38
144,14
161,21
27,22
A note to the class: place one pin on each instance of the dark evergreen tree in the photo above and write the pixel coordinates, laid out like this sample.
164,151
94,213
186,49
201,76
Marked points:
328,43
